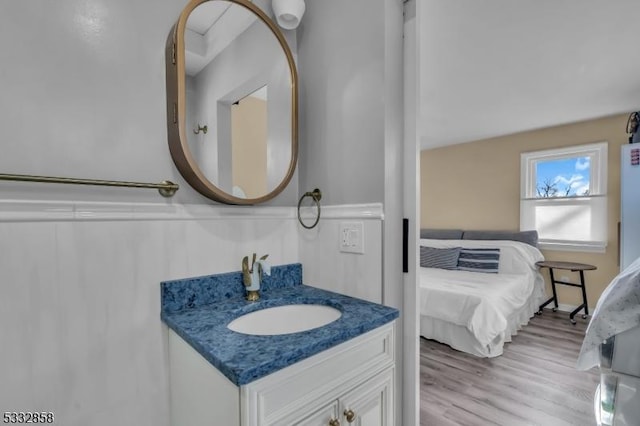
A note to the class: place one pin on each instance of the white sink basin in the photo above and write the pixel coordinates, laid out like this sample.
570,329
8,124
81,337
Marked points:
284,319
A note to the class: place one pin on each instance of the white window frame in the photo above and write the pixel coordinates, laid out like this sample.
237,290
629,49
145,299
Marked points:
597,152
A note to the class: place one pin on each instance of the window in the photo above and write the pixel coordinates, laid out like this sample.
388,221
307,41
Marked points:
563,195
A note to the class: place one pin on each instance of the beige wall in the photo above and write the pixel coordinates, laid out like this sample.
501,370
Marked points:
249,146
477,186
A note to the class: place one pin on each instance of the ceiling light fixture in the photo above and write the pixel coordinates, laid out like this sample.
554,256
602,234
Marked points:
288,12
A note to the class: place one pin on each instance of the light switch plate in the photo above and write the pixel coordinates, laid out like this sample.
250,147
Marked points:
352,237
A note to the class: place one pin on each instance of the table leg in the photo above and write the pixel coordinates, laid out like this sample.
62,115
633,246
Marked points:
575,311
553,299
553,287
543,305
584,295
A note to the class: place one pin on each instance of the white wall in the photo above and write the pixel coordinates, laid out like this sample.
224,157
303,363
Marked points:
351,118
342,100
353,274
83,95
80,300
351,125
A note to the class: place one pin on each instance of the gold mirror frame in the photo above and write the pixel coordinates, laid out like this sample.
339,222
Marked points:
176,109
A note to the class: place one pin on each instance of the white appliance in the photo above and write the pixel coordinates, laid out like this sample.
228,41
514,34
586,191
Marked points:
612,343
630,204
617,399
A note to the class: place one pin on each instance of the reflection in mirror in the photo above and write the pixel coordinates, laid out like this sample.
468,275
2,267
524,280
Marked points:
232,59
249,143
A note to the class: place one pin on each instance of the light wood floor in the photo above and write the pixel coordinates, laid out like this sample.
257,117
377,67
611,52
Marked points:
533,383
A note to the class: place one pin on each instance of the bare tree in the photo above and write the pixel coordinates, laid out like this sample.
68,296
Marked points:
550,188
547,189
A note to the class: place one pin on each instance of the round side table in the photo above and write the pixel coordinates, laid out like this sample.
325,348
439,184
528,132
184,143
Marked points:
567,266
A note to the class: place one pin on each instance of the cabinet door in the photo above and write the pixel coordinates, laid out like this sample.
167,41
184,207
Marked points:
322,417
371,403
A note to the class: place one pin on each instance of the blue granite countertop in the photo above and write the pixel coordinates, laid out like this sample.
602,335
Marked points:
199,310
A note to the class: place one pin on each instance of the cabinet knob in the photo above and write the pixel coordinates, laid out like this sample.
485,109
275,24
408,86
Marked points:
334,422
350,415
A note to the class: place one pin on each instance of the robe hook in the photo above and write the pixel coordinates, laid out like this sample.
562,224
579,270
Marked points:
204,129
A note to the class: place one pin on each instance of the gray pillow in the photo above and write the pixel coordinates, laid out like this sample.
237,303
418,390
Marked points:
446,258
441,234
527,237
485,260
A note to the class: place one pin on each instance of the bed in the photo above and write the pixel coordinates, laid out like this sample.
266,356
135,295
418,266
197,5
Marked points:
472,311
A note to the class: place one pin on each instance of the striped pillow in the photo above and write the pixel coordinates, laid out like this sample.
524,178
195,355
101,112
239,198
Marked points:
446,258
479,260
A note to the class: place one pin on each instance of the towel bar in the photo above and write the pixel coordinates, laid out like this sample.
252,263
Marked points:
165,188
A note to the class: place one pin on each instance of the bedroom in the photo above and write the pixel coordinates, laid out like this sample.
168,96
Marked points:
499,209
479,151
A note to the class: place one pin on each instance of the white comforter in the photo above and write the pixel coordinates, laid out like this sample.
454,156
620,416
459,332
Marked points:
481,302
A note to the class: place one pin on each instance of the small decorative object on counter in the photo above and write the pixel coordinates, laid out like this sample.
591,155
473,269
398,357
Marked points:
252,276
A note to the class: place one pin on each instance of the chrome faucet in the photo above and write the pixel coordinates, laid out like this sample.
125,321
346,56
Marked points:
252,276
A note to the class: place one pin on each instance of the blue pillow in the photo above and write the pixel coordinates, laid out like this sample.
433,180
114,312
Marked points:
446,258
479,260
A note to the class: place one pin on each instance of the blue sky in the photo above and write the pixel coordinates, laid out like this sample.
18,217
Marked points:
569,173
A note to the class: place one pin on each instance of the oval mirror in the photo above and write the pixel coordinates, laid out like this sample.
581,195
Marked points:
231,102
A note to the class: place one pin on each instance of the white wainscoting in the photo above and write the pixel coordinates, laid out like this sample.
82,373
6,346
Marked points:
358,275
80,332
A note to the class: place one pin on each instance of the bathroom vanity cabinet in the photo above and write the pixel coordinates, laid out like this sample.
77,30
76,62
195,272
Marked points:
351,383
339,373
